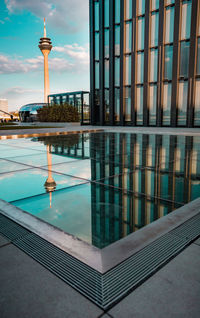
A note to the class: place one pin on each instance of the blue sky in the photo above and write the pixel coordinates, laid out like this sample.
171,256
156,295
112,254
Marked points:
21,62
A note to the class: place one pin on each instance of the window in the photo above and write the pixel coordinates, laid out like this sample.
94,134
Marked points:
169,24
186,19
117,104
152,104
128,70
140,7
97,75
182,102
128,9
117,11
106,13
139,105
117,40
184,58
167,92
96,46
198,56
154,4
106,100
128,37
140,67
153,65
168,62
154,28
140,38
117,71
127,103
197,104
167,2
106,73
96,16
106,43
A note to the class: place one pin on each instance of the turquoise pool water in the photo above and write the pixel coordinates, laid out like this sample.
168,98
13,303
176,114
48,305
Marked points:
100,187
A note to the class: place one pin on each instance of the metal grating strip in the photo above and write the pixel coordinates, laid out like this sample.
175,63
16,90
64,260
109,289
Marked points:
103,289
10,229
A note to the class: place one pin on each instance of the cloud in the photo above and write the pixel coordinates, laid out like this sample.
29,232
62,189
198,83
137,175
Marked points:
75,59
68,15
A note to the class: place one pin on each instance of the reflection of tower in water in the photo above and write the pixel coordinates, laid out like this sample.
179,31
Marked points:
50,184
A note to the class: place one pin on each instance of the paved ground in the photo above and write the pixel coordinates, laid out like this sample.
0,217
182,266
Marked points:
61,127
27,289
30,290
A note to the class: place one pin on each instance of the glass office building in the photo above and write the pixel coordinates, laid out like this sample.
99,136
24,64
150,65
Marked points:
78,99
145,62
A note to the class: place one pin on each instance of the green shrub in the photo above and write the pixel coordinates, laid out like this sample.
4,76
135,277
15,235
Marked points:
58,113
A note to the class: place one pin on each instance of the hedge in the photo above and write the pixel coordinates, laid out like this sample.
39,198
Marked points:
58,113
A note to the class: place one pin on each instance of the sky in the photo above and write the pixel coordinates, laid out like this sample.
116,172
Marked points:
21,62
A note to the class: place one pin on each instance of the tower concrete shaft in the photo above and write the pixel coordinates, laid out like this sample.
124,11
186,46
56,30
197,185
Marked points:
45,47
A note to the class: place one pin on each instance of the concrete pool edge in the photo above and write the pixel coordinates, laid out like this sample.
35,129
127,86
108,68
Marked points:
102,260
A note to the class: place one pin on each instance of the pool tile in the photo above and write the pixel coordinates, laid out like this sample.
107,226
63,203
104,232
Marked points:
8,166
31,182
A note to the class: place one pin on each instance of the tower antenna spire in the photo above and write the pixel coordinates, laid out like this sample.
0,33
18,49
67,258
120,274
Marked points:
45,31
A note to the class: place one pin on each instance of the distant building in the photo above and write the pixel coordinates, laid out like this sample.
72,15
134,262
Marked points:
3,107
79,99
28,113
145,62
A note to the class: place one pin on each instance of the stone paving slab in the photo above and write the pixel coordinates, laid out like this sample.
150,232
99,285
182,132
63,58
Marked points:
3,241
29,290
197,241
173,292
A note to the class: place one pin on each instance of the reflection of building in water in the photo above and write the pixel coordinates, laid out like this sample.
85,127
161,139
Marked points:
74,145
157,174
50,184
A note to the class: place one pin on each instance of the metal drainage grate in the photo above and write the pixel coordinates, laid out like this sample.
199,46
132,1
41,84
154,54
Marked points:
103,289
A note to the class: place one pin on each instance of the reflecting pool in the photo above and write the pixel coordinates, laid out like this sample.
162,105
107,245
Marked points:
100,187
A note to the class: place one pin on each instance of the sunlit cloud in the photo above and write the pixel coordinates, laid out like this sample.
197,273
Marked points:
64,15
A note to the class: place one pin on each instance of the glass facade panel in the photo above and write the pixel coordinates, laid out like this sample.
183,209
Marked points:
117,11
139,105
106,13
167,2
128,9
197,104
117,104
140,7
106,43
167,92
168,62
154,65
182,103
140,37
106,99
96,16
117,40
169,24
127,103
152,104
186,19
128,36
140,67
106,73
154,4
198,56
128,70
154,28
117,71
96,46
97,75
184,58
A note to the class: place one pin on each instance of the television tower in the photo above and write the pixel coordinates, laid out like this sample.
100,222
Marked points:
45,47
